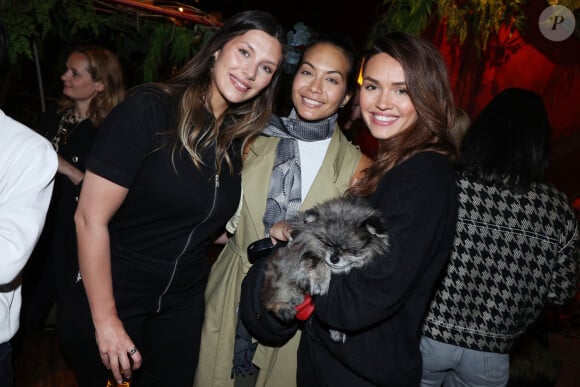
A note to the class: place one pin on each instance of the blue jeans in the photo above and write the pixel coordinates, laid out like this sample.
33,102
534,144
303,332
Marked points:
452,366
6,370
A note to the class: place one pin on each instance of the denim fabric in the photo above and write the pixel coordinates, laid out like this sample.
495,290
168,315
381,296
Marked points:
6,370
453,366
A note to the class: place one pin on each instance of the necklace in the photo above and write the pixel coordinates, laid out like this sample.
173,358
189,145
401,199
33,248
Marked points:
67,124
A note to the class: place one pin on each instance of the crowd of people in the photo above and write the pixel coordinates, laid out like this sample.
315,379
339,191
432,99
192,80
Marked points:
147,179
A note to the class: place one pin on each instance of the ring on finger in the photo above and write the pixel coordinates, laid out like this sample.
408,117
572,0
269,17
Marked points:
132,351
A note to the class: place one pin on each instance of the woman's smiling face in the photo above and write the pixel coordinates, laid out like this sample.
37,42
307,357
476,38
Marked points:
386,107
243,68
319,86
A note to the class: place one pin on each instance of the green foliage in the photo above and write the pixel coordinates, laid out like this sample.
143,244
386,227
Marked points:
151,44
475,19
24,21
411,16
572,5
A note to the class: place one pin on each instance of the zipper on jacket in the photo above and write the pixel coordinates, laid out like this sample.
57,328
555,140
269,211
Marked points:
185,247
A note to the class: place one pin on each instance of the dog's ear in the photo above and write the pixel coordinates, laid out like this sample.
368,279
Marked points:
311,215
375,226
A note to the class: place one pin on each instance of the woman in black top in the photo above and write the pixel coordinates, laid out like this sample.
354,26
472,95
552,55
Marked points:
92,86
162,180
407,104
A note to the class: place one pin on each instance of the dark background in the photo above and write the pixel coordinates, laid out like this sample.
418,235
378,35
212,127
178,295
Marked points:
551,69
348,17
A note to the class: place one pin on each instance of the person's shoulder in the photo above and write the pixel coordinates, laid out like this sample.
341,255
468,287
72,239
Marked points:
264,142
553,197
24,149
428,164
148,95
145,102
342,144
341,137
430,157
16,134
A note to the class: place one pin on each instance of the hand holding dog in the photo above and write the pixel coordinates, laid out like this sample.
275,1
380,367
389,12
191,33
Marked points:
331,238
281,231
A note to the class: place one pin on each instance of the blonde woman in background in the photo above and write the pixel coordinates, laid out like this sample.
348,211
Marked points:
92,86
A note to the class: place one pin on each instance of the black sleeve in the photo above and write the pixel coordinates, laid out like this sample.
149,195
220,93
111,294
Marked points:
419,206
261,324
127,135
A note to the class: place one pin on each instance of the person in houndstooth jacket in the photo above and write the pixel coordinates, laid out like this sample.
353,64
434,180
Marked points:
514,250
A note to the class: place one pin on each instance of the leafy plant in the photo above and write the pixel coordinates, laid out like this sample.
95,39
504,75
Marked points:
475,19
154,43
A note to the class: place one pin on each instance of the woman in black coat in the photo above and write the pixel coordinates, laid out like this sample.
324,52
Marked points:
406,103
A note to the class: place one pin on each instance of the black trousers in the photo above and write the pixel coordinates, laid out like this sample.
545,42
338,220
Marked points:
168,340
6,367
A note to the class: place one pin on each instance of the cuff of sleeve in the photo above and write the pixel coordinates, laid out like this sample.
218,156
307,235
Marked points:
305,309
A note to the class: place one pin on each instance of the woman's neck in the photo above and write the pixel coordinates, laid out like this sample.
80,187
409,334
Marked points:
80,110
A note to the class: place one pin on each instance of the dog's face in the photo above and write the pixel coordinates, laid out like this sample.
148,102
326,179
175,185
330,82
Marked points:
331,238
343,233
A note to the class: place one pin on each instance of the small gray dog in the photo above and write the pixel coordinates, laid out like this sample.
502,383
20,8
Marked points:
333,237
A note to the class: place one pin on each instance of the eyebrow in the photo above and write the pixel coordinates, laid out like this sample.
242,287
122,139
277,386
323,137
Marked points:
275,64
371,79
73,68
328,72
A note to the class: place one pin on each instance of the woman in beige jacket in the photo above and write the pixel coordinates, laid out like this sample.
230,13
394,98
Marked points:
305,156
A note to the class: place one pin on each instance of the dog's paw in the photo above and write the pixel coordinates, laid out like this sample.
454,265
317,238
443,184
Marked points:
319,281
337,337
286,313
282,300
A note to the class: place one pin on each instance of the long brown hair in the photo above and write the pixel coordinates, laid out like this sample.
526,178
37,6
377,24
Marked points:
103,66
428,87
192,83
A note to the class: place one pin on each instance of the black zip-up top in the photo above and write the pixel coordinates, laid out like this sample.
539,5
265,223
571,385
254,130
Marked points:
160,234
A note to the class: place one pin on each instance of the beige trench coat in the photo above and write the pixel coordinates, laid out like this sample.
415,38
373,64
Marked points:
277,365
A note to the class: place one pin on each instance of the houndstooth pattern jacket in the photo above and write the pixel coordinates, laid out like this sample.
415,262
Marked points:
513,254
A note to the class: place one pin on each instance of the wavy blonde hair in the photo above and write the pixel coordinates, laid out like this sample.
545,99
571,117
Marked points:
103,66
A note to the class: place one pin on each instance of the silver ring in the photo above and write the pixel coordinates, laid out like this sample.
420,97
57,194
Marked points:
132,351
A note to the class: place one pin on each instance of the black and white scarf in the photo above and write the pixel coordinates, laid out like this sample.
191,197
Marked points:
284,194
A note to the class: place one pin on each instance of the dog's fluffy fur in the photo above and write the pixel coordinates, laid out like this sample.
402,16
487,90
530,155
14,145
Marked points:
332,238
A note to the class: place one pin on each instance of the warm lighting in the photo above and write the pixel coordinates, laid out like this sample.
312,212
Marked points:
360,73
180,9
